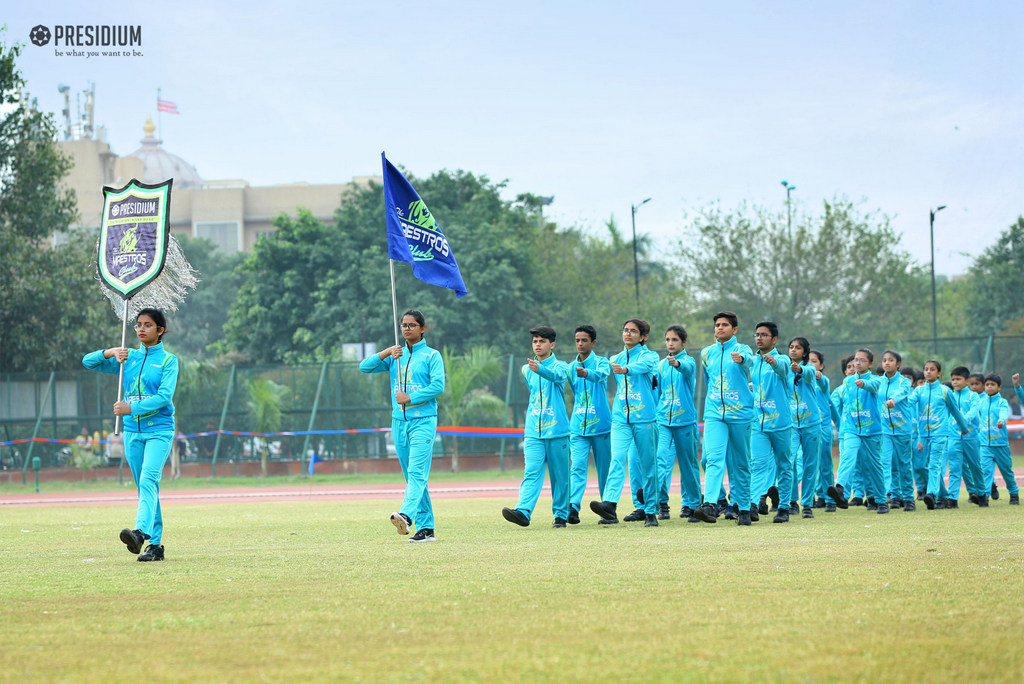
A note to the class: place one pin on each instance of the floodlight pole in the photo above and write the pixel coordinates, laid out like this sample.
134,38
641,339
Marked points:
636,268
935,320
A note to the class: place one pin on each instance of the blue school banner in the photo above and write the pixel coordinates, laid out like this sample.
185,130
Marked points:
415,237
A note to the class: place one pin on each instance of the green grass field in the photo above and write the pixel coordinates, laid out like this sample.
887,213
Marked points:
326,591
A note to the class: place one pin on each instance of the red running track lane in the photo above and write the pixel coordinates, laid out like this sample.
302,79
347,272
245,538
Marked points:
447,490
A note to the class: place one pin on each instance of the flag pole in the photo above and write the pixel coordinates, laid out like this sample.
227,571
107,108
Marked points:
159,117
120,376
394,317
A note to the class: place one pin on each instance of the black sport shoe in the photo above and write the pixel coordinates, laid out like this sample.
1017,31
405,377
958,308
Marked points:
559,523
782,516
856,501
706,513
731,512
402,522
651,521
909,506
871,504
635,516
819,502
133,539
882,509
663,512
692,518
807,512
762,505
574,516
952,503
973,498
794,508
773,494
604,521
685,512
422,535
153,553
754,516
514,515
743,518
837,494
929,502
605,509
1015,499
830,508
995,492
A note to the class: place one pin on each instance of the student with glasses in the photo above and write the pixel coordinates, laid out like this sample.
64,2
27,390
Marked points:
147,408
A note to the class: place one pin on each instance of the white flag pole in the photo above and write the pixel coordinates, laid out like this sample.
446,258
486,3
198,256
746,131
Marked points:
120,376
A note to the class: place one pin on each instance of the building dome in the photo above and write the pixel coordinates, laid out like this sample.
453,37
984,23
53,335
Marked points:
160,164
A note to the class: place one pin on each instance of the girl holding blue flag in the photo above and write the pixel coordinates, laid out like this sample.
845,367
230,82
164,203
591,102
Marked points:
150,376
417,378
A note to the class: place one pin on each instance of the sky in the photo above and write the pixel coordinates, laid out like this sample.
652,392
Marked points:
898,106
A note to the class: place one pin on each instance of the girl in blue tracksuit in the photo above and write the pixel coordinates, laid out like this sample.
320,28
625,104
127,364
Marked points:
728,411
836,494
150,376
633,427
934,406
897,431
677,424
545,432
417,379
826,476
806,420
995,445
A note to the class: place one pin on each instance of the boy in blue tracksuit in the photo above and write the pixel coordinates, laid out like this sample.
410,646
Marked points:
995,445
806,421
147,409
677,424
545,432
771,442
935,405
897,432
633,426
591,422
863,431
416,373
728,411
847,464
963,450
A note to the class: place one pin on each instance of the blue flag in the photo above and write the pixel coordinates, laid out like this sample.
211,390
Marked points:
415,237
313,460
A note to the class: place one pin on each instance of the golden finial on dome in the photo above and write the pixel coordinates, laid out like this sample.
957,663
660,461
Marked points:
149,128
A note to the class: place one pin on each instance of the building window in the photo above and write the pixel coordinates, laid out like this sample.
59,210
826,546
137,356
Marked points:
226,235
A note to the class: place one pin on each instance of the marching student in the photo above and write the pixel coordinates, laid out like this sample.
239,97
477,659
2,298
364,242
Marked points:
863,431
591,422
771,442
545,432
826,476
417,379
993,412
897,432
974,474
963,451
935,405
150,378
633,416
847,464
728,411
806,419
677,425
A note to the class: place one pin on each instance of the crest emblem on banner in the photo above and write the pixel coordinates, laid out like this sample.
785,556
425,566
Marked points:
134,235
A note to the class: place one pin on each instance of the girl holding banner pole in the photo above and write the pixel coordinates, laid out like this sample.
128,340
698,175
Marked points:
150,375
417,378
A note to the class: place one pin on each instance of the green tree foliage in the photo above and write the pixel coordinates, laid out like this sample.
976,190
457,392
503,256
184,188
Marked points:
51,308
996,290
838,276
459,399
199,322
311,287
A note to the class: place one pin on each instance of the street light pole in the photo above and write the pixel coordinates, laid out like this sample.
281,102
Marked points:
935,323
789,213
789,236
636,268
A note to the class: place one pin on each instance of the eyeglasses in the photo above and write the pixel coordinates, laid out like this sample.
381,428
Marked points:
762,335
144,326
409,326
630,331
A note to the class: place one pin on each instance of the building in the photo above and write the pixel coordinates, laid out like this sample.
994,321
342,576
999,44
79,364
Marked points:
230,213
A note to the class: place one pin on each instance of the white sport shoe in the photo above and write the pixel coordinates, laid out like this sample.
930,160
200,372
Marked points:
401,522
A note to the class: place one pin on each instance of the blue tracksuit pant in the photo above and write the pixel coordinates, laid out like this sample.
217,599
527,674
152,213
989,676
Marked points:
771,458
537,453
897,451
964,464
809,440
581,447
679,444
640,436
935,452
826,473
727,447
146,453
920,457
869,462
414,444
991,457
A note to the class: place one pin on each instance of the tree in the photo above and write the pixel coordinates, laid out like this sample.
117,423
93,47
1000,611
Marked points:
465,372
838,276
996,290
265,398
51,308
199,322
